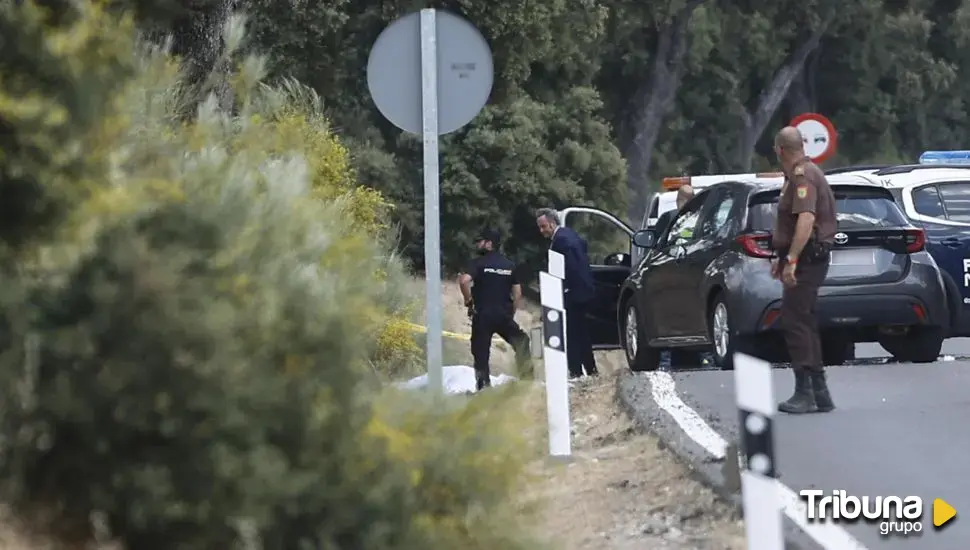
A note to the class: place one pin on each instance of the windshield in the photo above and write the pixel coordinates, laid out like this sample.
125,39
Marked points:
855,209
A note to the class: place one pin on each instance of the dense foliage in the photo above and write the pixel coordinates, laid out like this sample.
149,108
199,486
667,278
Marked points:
687,86
192,312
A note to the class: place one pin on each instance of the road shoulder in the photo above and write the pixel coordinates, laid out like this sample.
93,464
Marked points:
693,437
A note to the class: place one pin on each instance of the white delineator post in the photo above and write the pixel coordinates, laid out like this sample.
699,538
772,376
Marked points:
759,488
554,355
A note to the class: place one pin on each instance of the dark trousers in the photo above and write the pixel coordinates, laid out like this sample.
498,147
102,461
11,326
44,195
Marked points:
798,317
484,326
579,345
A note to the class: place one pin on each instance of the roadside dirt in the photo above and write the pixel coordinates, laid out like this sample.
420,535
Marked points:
621,491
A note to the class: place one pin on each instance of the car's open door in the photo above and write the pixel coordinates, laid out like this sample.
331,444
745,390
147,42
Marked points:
610,270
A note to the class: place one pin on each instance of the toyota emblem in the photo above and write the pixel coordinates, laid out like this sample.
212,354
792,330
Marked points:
841,238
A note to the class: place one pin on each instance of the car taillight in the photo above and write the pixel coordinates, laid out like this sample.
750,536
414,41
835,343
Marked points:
756,245
915,240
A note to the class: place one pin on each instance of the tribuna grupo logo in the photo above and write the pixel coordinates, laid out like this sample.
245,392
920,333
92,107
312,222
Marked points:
894,515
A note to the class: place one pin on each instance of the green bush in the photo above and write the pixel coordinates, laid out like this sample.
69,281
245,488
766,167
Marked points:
187,354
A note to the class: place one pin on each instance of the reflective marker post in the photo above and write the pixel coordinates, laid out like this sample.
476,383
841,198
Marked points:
759,488
554,353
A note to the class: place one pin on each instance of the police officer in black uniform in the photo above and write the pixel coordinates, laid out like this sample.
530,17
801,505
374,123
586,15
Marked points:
492,301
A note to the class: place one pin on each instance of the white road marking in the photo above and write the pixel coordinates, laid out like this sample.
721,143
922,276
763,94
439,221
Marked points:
828,535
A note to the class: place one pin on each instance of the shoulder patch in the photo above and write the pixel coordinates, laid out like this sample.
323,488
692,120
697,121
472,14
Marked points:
799,170
802,191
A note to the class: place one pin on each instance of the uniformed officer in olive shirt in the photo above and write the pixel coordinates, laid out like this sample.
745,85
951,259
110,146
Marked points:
492,302
803,236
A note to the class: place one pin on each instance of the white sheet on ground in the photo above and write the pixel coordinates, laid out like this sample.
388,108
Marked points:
456,379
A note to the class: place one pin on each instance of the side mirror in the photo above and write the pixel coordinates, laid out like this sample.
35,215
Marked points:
646,238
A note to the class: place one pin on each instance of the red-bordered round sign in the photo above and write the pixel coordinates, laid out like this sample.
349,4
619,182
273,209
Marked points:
819,135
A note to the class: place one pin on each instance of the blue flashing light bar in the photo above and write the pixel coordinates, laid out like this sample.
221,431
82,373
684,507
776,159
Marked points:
945,157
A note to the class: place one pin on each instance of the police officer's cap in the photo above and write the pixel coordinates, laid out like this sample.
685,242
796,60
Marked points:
488,234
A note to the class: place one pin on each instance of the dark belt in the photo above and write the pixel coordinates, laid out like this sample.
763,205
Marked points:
814,252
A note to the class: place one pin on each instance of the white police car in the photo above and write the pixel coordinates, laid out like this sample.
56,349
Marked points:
935,194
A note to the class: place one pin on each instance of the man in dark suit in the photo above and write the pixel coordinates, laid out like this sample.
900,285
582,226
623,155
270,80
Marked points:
579,290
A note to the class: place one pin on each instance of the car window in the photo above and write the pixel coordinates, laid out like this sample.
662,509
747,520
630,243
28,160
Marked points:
855,209
956,199
717,216
682,229
927,202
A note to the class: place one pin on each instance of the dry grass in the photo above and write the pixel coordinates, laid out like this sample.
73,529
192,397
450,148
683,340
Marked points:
457,351
622,491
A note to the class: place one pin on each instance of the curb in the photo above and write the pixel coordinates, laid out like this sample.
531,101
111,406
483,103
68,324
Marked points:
721,475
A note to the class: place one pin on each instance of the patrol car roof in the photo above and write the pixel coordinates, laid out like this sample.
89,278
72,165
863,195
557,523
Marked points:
906,176
845,178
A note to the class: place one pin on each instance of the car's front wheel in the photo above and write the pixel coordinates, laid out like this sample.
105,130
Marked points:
919,345
640,356
719,324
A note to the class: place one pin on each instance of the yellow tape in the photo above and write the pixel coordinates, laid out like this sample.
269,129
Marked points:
448,334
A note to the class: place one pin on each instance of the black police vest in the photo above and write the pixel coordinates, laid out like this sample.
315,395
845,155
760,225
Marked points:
494,278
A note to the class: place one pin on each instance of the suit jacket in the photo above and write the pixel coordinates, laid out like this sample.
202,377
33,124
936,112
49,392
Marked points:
579,286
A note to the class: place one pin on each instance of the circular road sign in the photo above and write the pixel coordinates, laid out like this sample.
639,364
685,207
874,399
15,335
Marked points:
465,72
819,136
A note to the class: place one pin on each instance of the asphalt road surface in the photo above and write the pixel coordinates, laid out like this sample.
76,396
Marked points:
899,429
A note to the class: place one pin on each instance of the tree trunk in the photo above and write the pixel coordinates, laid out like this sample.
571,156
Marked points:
652,102
198,39
771,97
801,97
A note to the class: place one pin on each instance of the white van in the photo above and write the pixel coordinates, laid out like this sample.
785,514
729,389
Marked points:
666,200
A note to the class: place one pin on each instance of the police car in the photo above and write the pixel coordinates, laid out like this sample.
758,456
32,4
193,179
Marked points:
935,195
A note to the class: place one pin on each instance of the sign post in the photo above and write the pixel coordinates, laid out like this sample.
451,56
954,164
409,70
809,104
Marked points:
430,73
818,134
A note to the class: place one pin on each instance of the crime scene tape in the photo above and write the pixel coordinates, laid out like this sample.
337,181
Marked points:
453,335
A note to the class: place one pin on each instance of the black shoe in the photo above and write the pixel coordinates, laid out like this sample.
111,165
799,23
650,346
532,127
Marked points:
482,382
574,376
823,399
803,400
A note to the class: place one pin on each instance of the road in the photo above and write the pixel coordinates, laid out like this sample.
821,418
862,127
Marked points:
899,429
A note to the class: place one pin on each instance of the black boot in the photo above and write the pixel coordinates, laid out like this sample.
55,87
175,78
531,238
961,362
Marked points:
803,400
482,380
823,399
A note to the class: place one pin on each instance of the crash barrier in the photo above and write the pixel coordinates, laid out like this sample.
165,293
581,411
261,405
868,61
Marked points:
554,355
759,490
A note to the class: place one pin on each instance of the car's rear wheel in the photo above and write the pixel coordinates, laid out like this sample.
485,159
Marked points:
719,325
919,345
640,356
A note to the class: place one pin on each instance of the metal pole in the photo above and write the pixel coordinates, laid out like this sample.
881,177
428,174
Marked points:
432,217
759,487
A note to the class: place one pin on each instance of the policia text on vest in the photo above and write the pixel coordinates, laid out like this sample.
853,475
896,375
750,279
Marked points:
492,293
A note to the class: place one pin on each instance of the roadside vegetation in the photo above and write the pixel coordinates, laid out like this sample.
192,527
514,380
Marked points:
198,313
